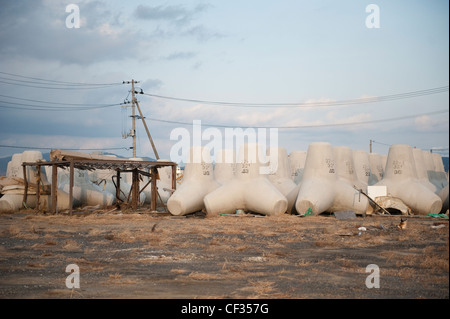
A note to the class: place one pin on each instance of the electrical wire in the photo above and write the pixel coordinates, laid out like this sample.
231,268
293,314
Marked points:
65,149
48,102
31,107
304,126
54,82
391,97
57,88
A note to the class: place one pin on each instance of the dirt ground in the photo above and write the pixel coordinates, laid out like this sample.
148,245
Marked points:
159,256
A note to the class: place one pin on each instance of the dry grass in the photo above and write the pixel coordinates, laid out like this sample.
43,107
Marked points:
71,244
115,276
203,276
259,257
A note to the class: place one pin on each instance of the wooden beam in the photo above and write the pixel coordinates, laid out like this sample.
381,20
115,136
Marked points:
54,187
38,188
174,177
154,190
25,191
71,187
118,186
135,189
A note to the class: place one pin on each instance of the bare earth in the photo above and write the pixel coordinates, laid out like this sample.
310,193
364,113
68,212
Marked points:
158,256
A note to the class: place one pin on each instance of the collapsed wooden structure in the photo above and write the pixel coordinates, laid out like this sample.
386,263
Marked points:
83,161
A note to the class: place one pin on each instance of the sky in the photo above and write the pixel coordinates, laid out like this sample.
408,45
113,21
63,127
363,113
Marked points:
314,62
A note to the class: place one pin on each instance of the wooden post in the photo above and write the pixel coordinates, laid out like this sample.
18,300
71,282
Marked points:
25,191
71,188
54,187
38,188
154,190
135,189
118,186
174,177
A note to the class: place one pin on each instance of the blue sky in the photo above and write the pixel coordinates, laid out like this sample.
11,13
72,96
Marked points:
234,51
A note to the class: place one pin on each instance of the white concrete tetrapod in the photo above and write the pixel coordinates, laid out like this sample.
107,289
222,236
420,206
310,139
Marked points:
421,169
164,183
86,192
384,161
401,181
225,166
431,170
362,167
345,167
321,190
198,181
12,200
14,167
31,157
280,172
376,168
297,163
250,189
442,181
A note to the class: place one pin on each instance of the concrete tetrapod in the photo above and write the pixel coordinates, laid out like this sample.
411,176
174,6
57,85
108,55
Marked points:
442,182
12,200
297,163
362,167
376,168
198,181
401,181
345,167
421,170
250,189
280,175
86,192
321,190
225,166
164,182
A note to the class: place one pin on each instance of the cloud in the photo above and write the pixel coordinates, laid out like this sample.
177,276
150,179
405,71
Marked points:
175,14
424,123
38,30
203,34
151,85
180,55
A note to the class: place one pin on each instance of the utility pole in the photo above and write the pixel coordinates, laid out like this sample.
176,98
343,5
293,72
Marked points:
134,104
371,146
148,132
133,116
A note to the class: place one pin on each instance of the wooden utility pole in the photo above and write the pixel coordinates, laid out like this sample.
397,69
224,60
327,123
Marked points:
133,116
148,132
135,104
371,146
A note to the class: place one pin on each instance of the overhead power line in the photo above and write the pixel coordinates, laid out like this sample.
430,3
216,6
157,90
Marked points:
89,87
364,100
32,107
55,82
66,149
305,126
50,102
